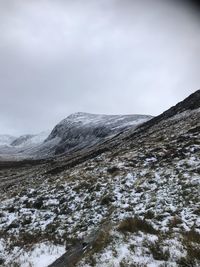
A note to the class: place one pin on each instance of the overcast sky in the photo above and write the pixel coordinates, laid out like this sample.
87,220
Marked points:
97,56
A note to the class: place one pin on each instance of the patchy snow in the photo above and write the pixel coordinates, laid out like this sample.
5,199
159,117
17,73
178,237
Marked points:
154,183
40,255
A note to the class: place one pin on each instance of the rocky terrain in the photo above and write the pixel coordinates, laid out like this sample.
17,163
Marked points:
131,200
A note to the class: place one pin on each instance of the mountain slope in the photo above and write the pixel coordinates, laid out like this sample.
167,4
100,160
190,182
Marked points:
78,131
81,130
135,204
192,102
6,140
22,140
22,146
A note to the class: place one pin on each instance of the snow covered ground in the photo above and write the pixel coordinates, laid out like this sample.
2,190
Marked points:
135,205
40,255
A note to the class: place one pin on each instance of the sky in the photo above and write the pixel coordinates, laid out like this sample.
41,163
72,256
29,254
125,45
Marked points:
96,56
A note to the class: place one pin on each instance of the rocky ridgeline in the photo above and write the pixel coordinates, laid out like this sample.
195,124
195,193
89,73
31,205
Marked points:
135,204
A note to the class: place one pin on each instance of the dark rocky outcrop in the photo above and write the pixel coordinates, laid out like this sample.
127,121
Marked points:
190,103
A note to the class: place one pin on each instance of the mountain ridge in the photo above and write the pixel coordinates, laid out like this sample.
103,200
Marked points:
190,103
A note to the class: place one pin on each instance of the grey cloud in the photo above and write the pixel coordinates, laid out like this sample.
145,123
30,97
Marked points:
102,56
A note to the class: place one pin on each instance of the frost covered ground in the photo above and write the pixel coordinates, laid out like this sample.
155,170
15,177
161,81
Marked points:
135,205
38,255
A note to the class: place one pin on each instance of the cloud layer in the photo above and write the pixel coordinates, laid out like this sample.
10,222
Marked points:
105,56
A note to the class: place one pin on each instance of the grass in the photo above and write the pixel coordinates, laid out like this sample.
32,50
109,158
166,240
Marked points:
191,242
192,236
135,224
185,262
175,221
102,239
158,253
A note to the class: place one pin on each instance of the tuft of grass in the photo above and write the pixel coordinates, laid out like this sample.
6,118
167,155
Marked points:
185,262
135,224
102,240
191,242
158,253
193,252
175,222
192,236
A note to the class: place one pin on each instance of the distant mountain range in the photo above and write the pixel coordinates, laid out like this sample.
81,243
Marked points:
6,140
76,132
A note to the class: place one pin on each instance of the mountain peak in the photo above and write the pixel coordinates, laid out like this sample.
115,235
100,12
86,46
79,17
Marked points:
79,114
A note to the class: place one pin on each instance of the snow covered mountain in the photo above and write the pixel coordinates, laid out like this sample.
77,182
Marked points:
81,130
22,140
6,140
29,140
132,200
22,146
77,131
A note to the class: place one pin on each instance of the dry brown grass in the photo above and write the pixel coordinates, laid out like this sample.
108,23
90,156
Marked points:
158,253
191,242
192,236
135,224
175,222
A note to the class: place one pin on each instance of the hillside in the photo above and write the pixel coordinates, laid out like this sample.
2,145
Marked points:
132,200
